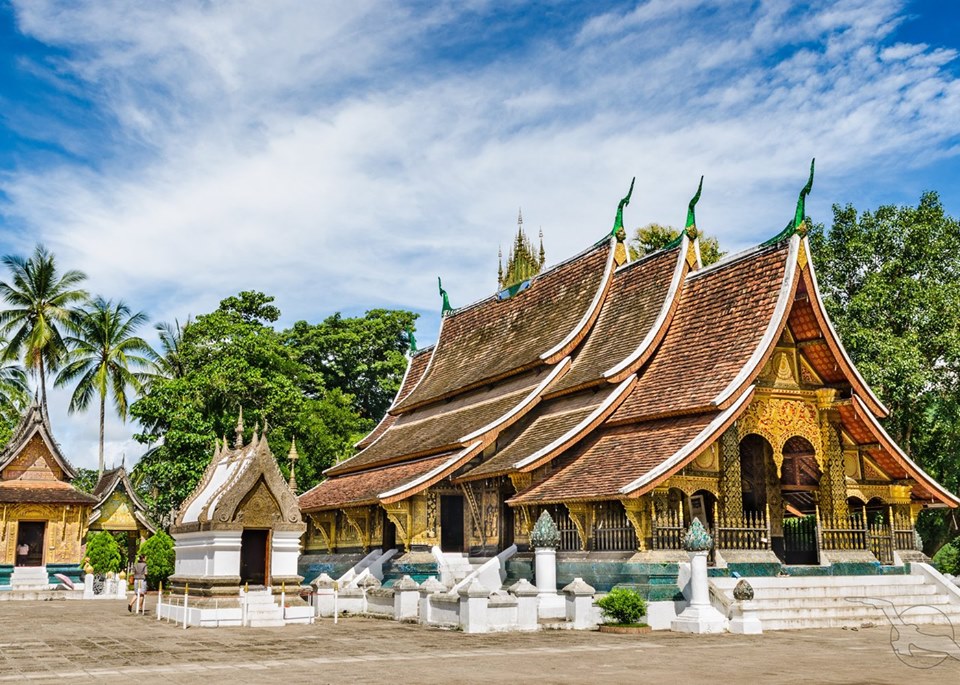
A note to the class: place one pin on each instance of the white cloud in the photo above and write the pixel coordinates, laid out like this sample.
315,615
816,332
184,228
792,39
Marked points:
314,152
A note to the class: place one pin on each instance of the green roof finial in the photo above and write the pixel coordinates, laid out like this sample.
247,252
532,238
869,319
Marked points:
618,222
691,216
796,226
802,200
446,300
411,340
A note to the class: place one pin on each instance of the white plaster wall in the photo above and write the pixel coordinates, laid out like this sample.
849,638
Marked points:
284,553
444,611
208,553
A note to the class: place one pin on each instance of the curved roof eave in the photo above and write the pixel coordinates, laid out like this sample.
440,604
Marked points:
426,480
680,458
755,363
636,359
864,412
836,346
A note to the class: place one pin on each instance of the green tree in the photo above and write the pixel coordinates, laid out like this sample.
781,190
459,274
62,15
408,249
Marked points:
157,550
362,357
40,303
891,284
85,480
168,362
14,396
653,237
232,358
106,358
103,552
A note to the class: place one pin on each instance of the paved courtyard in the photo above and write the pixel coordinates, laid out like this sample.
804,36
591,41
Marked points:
79,642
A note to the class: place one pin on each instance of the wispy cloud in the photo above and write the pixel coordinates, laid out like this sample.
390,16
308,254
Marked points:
341,155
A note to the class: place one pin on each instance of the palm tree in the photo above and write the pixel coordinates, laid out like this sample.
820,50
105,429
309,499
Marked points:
105,358
41,302
169,361
14,392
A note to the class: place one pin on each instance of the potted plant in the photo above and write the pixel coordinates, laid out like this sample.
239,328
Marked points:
623,610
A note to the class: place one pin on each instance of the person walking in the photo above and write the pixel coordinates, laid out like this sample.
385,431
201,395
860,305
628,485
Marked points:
139,584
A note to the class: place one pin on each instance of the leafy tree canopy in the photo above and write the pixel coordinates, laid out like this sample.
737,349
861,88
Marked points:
104,552
233,358
362,357
891,283
653,237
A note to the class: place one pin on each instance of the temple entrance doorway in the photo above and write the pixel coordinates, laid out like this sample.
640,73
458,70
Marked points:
451,523
389,533
254,548
799,483
30,536
507,523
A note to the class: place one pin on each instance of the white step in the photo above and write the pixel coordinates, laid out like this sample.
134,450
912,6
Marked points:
29,578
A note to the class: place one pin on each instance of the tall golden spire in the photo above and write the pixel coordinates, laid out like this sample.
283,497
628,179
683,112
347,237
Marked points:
293,456
524,261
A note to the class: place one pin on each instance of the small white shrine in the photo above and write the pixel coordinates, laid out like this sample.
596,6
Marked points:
237,541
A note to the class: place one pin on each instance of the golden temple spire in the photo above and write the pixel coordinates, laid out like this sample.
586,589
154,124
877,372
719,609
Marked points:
238,431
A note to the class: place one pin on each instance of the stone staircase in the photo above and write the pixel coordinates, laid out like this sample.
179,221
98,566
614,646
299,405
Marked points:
458,566
795,602
263,610
29,578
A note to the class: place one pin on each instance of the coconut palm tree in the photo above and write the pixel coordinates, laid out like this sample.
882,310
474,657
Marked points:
169,361
105,358
14,392
41,302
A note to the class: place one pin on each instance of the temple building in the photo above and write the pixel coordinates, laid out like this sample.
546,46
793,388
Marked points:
120,510
43,518
241,526
627,398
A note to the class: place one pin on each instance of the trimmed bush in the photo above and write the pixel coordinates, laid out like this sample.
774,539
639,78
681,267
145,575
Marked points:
103,552
623,606
158,553
947,559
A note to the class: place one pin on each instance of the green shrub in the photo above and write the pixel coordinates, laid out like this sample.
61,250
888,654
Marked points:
947,559
623,605
103,552
158,553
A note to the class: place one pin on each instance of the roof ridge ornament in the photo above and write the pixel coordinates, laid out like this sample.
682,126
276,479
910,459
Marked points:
798,226
293,456
446,300
411,341
691,209
618,222
238,431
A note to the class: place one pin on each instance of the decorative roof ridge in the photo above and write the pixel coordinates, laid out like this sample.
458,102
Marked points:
820,312
778,320
730,260
650,341
679,458
432,476
374,469
864,412
35,420
608,240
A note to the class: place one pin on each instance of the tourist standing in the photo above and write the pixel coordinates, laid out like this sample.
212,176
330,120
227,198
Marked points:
139,584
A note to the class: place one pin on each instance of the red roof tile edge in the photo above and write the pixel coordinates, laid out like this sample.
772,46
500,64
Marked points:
636,359
867,416
836,346
685,454
438,473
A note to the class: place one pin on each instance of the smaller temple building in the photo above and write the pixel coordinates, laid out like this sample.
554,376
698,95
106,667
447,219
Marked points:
120,510
241,526
43,518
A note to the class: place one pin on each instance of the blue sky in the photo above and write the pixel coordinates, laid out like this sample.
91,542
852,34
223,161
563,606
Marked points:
341,155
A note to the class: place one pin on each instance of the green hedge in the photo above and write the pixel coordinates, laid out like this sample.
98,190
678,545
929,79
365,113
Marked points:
104,552
623,606
158,552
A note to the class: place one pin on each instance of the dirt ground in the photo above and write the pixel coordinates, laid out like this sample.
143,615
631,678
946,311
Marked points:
100,642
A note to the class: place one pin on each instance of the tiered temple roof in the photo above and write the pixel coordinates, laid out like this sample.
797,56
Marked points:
117,482
601,381
32,468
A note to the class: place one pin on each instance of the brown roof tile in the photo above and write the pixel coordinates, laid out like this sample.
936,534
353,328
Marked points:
417,365
62,493
721,320
495,338
609,460
362,488
441,426
551,422
636,298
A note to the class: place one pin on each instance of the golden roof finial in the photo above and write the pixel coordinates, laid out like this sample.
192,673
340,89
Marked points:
293,456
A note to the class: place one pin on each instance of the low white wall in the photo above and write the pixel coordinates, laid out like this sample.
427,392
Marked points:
209,553
444,610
